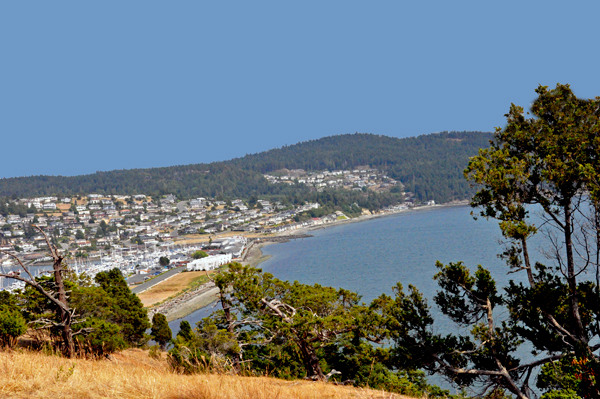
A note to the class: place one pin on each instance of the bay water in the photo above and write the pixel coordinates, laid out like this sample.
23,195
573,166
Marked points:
371,256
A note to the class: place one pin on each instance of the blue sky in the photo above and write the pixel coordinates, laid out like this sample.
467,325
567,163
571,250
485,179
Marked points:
89,86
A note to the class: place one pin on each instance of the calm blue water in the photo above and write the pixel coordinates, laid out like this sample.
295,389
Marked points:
369,257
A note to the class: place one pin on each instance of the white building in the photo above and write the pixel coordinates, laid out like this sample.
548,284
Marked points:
208,263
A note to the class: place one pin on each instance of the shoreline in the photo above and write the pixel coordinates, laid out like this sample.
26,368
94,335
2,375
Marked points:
363,218
255,257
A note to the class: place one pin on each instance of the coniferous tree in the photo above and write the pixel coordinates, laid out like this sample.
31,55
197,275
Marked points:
161,332
549,162
185,330
129,312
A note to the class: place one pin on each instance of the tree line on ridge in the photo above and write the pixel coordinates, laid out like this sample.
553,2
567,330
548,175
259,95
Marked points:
428,165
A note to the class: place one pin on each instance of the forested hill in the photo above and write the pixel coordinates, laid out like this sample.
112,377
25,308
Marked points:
430,165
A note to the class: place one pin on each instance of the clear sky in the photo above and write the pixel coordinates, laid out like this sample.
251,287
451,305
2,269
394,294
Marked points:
87,86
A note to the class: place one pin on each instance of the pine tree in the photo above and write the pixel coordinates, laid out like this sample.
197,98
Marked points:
161,332
185,330
129,312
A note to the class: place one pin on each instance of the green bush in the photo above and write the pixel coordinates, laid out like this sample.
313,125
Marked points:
154,352
12,326
104,337
199,255
207,349
185,330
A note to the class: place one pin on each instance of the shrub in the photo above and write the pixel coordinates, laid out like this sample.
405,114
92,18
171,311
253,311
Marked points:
199,255
209,348
12,326
185,330
104,338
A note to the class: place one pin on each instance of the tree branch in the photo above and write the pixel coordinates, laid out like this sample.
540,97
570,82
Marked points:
18,260
540,362
274,305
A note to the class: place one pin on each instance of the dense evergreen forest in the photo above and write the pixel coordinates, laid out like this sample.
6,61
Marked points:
431,166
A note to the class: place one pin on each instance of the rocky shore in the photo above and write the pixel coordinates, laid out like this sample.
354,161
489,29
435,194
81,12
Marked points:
186,303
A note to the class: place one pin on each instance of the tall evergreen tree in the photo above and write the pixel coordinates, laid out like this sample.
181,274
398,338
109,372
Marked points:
161,332
185,330
548,161
129,313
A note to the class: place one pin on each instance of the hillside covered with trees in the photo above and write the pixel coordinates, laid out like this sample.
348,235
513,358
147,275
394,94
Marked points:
431,166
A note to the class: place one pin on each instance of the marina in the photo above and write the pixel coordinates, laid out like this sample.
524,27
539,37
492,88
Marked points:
137,264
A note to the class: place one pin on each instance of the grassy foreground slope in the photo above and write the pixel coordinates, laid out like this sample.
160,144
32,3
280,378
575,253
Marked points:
430,165
133,374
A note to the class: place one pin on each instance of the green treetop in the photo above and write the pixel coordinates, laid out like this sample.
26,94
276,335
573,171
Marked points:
160,330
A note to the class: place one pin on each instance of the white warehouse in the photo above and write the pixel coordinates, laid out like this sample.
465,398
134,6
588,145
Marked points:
208,263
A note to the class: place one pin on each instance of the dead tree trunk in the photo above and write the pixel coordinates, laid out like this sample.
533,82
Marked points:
63,311
311,361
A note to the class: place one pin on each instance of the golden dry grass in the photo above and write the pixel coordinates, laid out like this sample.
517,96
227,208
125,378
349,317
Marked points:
132,374
171,287
192,239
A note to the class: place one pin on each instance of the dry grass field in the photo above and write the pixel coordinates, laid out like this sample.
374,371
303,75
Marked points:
171,287
133,374
63,207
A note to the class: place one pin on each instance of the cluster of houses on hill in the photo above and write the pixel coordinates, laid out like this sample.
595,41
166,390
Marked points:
355,179
85,224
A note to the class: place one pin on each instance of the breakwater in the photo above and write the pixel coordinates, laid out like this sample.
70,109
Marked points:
274,239
174,305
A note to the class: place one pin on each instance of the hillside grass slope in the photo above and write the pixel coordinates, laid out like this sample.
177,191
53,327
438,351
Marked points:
133,374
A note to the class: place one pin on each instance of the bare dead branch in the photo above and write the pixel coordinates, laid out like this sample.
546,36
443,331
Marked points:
275,306
540,362
53,249
18,260
560,329
85,330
